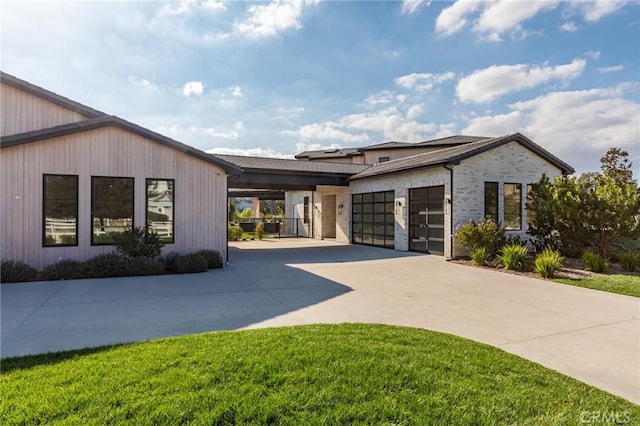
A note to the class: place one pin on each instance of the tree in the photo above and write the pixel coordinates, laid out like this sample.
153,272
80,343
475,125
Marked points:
616,164
541,208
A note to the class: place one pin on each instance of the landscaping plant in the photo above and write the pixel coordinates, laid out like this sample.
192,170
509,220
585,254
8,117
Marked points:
259,232
594,262
63,270
629,261
487,234
213,257
138,243
513,257
480,256
15,271
105,265
189,263
139,266
548,262
234,233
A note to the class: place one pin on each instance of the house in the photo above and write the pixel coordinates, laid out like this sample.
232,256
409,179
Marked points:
72,176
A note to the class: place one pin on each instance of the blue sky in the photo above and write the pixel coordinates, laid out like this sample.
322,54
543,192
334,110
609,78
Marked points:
279,77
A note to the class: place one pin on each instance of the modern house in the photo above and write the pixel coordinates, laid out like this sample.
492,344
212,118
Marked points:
71,176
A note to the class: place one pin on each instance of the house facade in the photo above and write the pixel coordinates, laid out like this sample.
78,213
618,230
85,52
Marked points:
72,176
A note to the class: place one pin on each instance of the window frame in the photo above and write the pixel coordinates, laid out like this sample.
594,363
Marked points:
44,210
497,201
173,207
133,205
504,203
305,210
384,159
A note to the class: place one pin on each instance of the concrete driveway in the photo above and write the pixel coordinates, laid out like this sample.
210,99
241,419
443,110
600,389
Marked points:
590,335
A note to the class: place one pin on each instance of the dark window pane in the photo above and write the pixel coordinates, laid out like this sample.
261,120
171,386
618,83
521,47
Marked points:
60,210
389,231
367,208
357,208
357,238
112,204
388,207
436,247
436,205
389,196
436,219
160,208
378,218
436,232
357,218
367,228
378,240
378,197
379,207
357,198
378,229
491,200
512,206
367,198
436,192
357,228
367,218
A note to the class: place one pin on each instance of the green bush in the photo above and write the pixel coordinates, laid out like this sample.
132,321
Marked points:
15,271
213,257
168,260
138,243
259,232
548,262
105,265
189,263
513,257
234,233
480,256
139,266
629,261
593,261
487,234
62,270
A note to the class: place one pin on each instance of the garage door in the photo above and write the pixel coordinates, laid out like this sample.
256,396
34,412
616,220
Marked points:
426,219
372,219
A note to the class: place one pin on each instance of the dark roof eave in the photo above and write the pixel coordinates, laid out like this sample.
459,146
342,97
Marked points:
406,169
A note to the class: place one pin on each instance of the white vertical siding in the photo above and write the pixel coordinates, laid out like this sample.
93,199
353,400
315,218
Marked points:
24,112
200,191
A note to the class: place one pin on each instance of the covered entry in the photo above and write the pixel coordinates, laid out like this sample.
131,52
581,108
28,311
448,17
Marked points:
426,219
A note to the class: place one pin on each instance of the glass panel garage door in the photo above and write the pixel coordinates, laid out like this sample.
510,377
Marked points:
372,219
426,219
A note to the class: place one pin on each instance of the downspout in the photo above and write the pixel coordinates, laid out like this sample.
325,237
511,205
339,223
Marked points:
450,210
313,213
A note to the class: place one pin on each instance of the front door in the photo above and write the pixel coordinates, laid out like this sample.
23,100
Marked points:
426,219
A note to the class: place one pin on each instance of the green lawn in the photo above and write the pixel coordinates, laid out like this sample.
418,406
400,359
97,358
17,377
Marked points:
321,374
622,284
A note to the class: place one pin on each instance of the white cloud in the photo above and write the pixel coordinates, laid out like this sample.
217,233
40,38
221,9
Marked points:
300,147
326,131
595,10
267,20
605,70
503,15
184,7
580,123
411,6
187,133
490,83
250,152
383,97
453,18
388,122
593,54
236,91
422,82
569,26
193,88
414,111
213,5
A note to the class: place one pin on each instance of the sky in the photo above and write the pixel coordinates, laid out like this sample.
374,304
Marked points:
275,78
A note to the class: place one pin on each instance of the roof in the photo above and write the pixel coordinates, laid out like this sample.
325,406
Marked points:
455,154
388,145
109,120
330,153
279,164
50,96
452,140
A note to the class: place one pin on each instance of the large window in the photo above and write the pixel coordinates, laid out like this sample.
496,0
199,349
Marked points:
372,219
305,215
160,208
491,200
60,210
513,206
111,207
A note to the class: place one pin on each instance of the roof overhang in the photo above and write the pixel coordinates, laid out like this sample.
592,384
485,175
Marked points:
285,179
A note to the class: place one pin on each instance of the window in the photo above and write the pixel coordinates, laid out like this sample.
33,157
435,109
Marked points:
160,208
512,206
60,210
531,212
306,210
111,207
383,159
491,200
372,218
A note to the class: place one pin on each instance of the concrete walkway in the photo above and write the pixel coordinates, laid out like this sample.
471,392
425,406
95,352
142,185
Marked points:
590,335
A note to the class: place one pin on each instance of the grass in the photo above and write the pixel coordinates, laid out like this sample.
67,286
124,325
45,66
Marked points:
320,374
622,284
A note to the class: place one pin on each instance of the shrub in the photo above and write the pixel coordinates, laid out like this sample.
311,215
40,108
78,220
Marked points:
63,270
168,260
15,271
189,263
593,261
105,265
548,262
513,257
138,243
480,256
259,232
487,234
234,233
629,261
213,257
138,266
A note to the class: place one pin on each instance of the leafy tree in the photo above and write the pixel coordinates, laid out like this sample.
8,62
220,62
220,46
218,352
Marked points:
541,207
616,164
